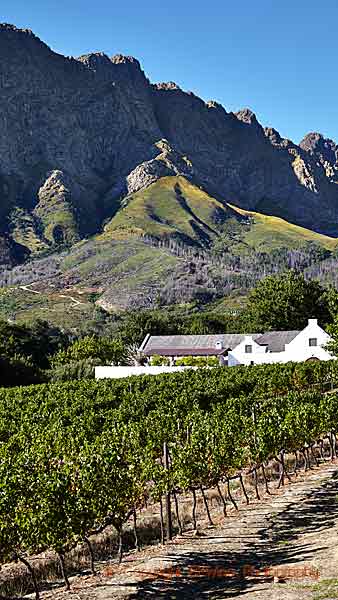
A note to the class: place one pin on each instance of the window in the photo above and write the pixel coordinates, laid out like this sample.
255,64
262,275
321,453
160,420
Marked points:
248,349
313,342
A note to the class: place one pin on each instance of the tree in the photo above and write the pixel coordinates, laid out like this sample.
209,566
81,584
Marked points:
25,350
105,350
286,301
35,342
136,325
19,370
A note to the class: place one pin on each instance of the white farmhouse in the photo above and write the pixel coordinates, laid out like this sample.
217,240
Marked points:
282,346
240,349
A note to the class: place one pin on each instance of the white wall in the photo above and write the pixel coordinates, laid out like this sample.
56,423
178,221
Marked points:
298,350
238,356
120,372
258,358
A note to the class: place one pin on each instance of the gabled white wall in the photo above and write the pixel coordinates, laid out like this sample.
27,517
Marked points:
238,356
298,350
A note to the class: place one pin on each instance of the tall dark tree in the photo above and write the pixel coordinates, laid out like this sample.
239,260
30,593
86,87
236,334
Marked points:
37,341
286,301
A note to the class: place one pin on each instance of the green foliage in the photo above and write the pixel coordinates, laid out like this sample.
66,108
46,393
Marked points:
36,342
332,329
286,301
198,361
132,327
332,345
78,456
158,361
75,369
24,351
19,369
233,233
104,350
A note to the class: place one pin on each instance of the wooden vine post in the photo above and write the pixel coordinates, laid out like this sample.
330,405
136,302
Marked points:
167,495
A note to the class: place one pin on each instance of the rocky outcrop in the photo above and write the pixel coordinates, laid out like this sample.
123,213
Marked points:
77,135
324,150
58,198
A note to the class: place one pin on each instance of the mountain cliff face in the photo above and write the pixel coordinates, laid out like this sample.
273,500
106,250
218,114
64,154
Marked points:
79,135
323,150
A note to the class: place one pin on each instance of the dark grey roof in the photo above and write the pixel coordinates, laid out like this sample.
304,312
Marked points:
199,345
276,340
175,345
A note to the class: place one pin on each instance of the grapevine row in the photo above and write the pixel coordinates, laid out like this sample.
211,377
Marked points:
77,457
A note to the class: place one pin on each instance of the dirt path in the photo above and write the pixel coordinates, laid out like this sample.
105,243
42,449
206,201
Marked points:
28,288
76,302
290,534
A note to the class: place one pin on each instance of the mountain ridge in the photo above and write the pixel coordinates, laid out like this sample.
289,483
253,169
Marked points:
79,134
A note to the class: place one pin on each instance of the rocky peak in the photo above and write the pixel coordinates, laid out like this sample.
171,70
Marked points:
9,27
216,105
121,59
247,116
311,141
17,40
273,135
99,64
316,143
166,85
94,60
277,140
128,69
24,55
324,150
116,68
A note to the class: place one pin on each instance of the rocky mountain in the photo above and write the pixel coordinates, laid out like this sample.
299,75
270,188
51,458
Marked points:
325,151
80,135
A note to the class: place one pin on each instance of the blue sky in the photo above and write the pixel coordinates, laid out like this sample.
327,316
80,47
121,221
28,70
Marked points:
277,57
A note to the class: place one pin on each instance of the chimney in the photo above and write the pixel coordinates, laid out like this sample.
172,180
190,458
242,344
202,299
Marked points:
219,345
312,322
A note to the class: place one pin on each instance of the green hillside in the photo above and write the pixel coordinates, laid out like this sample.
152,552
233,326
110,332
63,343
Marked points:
119,272
269,233
171,207
120,269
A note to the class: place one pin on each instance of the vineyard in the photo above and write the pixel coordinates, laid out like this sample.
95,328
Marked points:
78,457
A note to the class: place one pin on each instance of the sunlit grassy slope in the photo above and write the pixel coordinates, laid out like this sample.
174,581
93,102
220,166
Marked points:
268,233
174,207
171,207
